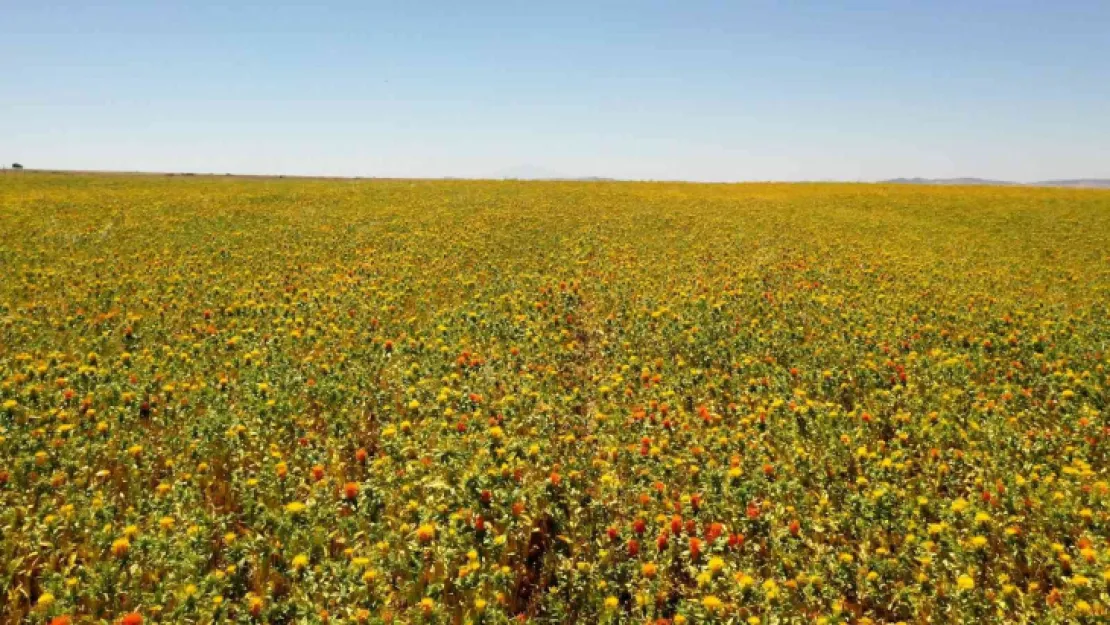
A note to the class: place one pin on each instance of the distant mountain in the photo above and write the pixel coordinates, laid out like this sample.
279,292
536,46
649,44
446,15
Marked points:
531,172
1082,183
951,181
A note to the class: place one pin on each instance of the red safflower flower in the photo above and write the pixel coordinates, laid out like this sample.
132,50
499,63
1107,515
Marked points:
715,530
753,511
133,618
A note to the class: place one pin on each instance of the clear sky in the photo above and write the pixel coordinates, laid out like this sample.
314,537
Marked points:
1013,89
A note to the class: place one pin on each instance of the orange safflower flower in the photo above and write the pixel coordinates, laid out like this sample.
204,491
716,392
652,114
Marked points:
350,491
425,533
120,547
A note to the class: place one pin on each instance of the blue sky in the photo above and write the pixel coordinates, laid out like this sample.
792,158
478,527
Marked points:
646,90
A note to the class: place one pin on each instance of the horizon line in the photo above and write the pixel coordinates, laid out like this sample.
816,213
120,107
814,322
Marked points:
1074,183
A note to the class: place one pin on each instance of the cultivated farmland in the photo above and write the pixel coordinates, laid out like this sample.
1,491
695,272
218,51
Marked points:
393,401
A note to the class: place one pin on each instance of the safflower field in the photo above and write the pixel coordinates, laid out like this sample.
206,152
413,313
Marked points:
374,401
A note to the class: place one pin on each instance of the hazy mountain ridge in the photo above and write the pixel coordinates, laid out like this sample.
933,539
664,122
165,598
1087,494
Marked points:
1078,183
532,172
1086,183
